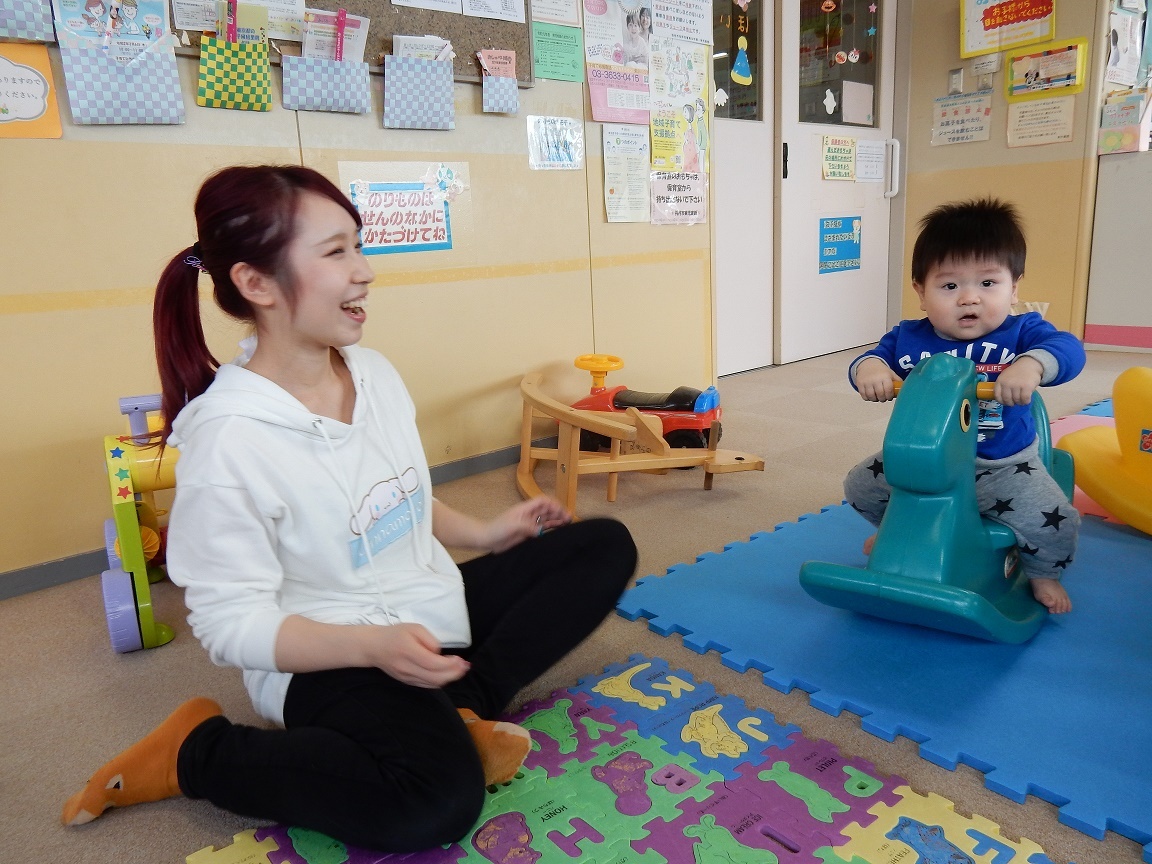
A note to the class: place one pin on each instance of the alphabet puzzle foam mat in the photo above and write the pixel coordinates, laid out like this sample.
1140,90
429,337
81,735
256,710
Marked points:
644,764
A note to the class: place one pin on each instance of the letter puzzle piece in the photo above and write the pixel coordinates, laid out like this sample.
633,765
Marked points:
301,846
822,793
633,783
690,717
244,849
927,828
566,726
544,811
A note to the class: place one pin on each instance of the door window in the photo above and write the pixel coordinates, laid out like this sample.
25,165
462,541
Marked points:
736,57
839,53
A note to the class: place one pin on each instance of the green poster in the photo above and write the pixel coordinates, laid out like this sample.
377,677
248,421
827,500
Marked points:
557,52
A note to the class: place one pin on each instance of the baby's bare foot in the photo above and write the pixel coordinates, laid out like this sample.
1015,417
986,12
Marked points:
1052,594
868,544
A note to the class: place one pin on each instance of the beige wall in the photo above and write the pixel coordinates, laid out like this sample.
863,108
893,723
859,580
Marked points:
536,277
1052,185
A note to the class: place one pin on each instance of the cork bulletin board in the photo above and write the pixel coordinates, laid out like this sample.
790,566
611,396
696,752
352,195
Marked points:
467,34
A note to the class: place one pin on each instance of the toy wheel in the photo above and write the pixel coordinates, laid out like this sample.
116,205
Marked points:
686,438
599,362
120,610
110,545
592,442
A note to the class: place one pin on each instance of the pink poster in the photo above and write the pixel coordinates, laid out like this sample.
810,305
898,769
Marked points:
618,94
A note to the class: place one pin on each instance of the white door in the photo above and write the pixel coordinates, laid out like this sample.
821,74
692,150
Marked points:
742,175
835,61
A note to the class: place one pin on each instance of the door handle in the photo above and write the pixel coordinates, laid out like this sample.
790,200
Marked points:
784,175
892,147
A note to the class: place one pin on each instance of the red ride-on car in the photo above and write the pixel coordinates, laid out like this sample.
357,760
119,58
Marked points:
686,413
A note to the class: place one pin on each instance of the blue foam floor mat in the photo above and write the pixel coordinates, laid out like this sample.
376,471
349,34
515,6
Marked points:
1066,717
1103,408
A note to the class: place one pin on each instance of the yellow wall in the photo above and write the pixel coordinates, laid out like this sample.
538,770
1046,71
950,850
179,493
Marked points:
536,277
1052,185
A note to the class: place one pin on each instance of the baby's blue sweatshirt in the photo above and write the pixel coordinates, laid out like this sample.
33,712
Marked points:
1004,430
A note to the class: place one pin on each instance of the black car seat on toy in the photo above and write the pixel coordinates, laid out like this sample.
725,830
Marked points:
680,399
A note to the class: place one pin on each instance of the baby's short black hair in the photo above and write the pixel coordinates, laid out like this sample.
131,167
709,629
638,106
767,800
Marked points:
984,229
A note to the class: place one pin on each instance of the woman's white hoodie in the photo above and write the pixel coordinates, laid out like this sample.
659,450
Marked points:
282,512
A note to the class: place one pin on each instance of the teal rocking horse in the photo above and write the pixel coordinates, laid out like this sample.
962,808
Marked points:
936,562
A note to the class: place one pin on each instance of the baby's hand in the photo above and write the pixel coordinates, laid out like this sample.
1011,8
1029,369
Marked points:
1019,381
874,380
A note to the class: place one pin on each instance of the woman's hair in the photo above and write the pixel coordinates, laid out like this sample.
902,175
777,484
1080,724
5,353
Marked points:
243,214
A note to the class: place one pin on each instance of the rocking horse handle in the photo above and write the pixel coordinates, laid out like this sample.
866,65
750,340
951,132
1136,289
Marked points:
984,389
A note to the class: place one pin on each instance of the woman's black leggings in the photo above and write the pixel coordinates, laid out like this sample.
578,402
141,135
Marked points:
376,763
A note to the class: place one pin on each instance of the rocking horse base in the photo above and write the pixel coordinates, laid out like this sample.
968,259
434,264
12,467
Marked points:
1012,617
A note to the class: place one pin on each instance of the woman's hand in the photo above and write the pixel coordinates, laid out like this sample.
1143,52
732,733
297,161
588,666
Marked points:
527,519
407,652
411,655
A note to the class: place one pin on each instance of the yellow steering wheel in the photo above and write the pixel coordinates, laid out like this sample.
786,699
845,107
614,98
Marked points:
599,365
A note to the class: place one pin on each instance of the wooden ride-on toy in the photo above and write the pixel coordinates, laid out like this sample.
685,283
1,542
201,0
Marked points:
636,443
136,469
688,417
1114,465
936,562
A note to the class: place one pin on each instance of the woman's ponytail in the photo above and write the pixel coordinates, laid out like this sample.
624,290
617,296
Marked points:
186,365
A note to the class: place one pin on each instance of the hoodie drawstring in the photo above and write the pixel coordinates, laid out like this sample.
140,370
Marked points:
425,560
318,425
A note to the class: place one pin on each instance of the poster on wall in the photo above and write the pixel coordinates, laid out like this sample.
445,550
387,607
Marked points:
679,76
839,244
687,20
838,158
1124,47
409,206
987,26
1053,69
555,143
563,12
871,156
125,33
27,93
1041,121
400,217
557,52
617,50
627,179
960,119
679,198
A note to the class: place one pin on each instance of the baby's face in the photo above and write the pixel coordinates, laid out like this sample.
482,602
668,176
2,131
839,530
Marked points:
633,28
965,300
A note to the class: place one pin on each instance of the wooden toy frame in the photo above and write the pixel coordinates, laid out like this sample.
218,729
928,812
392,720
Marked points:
637,444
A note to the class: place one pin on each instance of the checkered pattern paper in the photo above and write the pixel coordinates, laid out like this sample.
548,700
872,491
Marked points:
102,91
312,84
418,94
26,19
501,95
234,75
